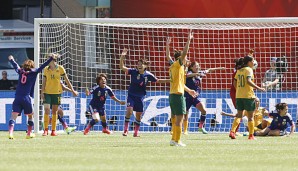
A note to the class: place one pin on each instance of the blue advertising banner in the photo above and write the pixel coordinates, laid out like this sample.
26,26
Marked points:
156,110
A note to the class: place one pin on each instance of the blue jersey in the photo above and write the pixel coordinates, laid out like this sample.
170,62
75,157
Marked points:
99,96
280,122
27,79
139,81
194,83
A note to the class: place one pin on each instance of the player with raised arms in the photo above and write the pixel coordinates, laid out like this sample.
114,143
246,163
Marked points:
96,105
245,96
25,92
137,90
194,78
51,93
177,88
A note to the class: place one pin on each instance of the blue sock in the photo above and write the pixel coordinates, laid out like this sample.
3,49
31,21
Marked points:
202,118
30,123
11,122
92,122
61,119
104,124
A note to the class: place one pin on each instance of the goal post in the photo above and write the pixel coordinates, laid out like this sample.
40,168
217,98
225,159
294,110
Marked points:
89,46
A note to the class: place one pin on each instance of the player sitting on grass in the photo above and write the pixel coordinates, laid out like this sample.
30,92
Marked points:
194,78
24,93
280,121
96,105
261,119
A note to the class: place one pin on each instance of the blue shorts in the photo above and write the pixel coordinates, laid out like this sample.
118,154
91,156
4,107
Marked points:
191,102
135,102
22,103
95,109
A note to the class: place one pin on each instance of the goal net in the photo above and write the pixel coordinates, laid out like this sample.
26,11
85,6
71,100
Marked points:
92,46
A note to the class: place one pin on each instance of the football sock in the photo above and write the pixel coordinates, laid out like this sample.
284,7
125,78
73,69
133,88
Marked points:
30,126
137,126
46,119
54,121
11,124
202,120
104,124
236,122
62,121
178,131
126,123
251,125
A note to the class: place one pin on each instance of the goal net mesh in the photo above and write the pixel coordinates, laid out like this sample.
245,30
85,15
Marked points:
89,48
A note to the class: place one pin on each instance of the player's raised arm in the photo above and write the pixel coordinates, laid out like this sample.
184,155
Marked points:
122,66
169,58
186,47
48,61
13,63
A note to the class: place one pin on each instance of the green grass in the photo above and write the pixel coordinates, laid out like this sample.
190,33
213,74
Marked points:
97,151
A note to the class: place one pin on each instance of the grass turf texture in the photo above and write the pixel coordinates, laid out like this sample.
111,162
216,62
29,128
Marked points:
98,151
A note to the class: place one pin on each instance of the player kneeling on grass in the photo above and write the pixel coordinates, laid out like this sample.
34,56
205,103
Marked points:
279,124
96,105
24,93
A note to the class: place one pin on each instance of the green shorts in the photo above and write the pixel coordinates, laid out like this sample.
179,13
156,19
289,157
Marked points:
52,99
177,104
245,104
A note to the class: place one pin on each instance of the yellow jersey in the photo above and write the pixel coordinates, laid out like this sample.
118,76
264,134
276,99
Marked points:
53,77
258,117
177,77
243,90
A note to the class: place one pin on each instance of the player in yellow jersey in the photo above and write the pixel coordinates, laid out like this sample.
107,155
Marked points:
51,93
261,119
177,88
245,96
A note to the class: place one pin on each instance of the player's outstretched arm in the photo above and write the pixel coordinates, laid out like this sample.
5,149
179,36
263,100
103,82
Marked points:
163,80
122,66
117,100
215,69
87,92
65,88
75,93
186,47
249,82
228,114
190,92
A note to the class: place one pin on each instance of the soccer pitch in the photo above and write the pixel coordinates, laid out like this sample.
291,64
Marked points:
151,151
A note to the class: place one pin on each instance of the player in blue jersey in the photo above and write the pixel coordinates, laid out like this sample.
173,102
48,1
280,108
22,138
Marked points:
137,90
280,121
96,105
194,78
24,93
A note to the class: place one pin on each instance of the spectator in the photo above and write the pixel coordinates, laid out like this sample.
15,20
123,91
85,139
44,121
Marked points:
272,79
5,84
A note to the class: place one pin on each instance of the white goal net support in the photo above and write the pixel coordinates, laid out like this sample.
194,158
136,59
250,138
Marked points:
92,46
